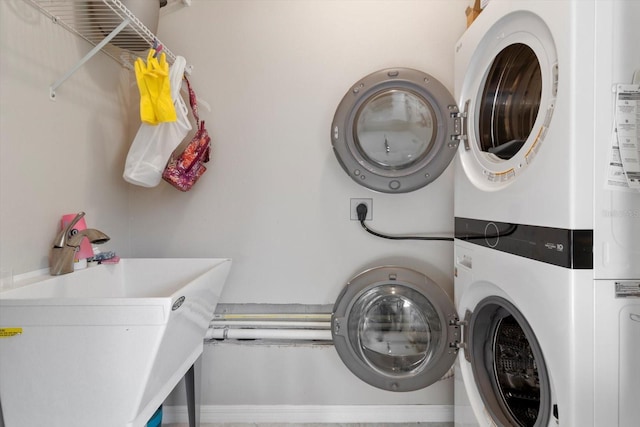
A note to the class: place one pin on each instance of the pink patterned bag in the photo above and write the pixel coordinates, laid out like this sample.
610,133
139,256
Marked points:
184,170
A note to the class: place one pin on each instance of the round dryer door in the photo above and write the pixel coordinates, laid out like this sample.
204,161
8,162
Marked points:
509,95
396,130
393,326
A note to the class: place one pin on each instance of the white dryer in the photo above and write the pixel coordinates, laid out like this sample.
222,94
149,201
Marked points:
535,81
532,121
512,82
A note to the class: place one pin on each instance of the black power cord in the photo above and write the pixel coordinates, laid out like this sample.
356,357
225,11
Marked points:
362,210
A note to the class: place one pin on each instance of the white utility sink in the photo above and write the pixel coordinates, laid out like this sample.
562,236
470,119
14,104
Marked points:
106,345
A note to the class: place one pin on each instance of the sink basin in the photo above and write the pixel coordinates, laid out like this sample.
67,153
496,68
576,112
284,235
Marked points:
103,346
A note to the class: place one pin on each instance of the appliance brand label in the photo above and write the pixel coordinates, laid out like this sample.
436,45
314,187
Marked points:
178,303
554,246
620,213
628,288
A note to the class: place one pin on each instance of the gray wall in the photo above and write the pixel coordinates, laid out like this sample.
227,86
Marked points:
274,198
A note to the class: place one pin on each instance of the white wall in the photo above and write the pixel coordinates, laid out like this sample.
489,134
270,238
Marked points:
274,198
56,157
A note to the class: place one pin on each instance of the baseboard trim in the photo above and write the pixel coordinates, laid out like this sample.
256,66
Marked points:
313,413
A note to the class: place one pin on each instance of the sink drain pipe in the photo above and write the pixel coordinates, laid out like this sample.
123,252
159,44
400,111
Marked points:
271,326
267,334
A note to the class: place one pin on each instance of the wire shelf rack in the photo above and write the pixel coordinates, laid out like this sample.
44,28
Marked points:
107,25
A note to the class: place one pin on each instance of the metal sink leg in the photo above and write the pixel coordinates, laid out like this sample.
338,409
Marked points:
193,383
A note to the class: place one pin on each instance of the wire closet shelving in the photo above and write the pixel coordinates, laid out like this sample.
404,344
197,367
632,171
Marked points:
107,25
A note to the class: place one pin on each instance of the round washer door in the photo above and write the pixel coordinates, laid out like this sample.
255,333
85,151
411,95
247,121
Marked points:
508,365
396,130
392,327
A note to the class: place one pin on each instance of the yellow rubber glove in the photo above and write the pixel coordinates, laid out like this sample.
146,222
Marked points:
165,111
153,82
147,112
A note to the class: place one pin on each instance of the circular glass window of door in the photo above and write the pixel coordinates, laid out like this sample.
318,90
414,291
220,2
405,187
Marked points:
391,328
510,101
508,365
392,131
509,92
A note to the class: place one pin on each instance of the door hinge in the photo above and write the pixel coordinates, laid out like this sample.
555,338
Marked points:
460,126
337,326
456,327
462,335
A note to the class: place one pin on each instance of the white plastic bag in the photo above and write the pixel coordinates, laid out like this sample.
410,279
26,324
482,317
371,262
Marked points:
153,145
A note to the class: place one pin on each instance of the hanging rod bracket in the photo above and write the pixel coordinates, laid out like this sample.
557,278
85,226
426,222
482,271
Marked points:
87,57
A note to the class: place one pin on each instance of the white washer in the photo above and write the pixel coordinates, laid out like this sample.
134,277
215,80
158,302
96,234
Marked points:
520,329
537,369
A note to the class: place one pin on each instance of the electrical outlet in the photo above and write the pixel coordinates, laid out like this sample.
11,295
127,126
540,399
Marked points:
354,205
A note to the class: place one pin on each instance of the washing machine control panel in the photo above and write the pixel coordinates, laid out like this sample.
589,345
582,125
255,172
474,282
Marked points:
558,246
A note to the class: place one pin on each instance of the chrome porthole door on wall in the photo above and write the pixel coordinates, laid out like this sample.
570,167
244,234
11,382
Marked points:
392,327
508,365
396,130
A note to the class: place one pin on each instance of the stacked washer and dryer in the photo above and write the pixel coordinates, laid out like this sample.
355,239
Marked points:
545,326
547,239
